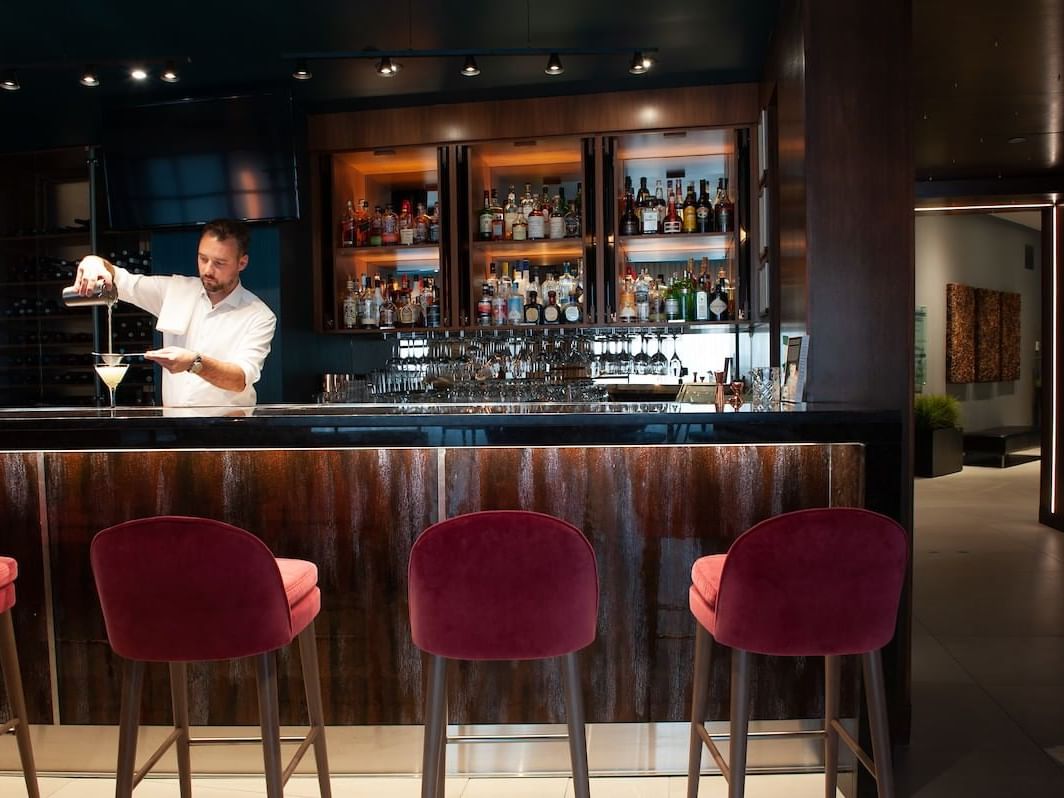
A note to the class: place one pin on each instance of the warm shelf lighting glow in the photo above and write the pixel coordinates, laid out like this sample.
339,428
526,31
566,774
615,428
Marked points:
138,73
1015,207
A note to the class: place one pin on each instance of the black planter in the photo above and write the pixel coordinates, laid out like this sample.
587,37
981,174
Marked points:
938,452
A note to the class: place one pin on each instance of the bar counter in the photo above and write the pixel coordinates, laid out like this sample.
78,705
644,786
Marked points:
349,487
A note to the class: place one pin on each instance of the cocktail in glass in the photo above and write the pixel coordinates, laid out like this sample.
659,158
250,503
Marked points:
111,370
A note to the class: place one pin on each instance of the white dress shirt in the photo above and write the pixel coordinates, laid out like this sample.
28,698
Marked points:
239,330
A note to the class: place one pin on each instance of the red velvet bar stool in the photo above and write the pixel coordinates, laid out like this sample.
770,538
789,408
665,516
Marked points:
501,585
13,678
822,583
177,590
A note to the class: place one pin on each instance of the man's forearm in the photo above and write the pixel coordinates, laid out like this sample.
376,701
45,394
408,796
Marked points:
222,374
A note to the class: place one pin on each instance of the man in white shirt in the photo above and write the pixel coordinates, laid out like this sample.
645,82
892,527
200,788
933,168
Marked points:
216,333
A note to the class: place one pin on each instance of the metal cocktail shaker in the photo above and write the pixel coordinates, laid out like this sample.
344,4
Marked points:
102,294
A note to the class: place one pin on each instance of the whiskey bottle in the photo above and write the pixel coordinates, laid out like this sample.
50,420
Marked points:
510,211
725,211
434,225
498,218
406,224
537,227
649,212
527,202
421,225
376,228
533,310
389,227
629,221
485,218
387,312
350,306
704,210
362,223
557,216
347,226
642,200
520,226
552,314
690,210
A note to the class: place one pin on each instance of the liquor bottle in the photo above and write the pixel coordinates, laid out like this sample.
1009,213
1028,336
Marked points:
510,211
626,311
629,221
552,314
515,305
367,313
702,292
642,297
492,279
720,302
672,223
421,225
566,284
556,228
432,304
376,227
643,200
485,218
656,299
499,309
572,312
527,202
690,210
520,227
537,227
672,303
573,225
363,218
533,310
389,227
406,224
725,211
347,226
484,306
651,223
704,211
350,306
434,225
505,281
409,312
662,205
498,218
387,312
622,198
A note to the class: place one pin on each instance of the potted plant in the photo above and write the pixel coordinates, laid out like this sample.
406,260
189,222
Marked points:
939,438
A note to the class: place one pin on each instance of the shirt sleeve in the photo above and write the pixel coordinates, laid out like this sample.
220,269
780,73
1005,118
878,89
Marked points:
147,292
255,346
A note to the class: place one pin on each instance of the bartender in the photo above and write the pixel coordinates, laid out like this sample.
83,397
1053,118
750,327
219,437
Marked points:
216,333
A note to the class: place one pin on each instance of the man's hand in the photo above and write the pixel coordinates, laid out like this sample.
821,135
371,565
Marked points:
172,358
91,270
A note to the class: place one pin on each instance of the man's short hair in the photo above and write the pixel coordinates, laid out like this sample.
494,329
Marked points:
224,229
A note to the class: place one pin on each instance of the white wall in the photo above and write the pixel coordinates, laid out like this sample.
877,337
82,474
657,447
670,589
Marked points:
984,252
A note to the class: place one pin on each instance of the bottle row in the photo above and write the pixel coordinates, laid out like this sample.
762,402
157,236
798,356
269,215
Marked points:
684,297
666,214
49,337
391,303
521,298
530,217
35,268
386,228
143,377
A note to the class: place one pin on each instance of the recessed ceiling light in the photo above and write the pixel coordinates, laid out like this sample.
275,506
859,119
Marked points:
301,72
470,68
89,77
169,74
1018,140
9,82
387,68
138,73
554,65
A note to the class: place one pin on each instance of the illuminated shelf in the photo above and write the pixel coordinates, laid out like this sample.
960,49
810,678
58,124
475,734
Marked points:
536,247
650,248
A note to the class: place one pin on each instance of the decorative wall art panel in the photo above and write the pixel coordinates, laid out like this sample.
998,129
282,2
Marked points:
987,335
960,333
1010,336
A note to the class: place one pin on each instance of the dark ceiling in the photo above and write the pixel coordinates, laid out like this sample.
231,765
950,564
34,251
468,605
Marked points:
984,71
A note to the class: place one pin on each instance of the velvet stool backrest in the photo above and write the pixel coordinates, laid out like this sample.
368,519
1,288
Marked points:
8,574
504,584
174,588
813,583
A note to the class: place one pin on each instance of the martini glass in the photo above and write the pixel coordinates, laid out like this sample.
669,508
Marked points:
111,370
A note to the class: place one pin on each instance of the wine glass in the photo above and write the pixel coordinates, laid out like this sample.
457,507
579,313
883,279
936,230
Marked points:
659,364
675,366
641,361
111,370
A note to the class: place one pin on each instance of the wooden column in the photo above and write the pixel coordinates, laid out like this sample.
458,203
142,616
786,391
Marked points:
1051,498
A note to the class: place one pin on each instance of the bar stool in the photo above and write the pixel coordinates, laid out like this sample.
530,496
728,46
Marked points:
501,585
19,724
177,590
823,582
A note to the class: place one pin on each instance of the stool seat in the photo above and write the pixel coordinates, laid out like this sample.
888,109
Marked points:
12,678
8,571
705,585
301,587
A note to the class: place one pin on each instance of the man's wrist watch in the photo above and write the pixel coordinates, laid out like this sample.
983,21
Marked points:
197,364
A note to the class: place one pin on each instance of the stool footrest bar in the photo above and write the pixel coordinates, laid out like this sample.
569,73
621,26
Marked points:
312,735
507,738
707,738
237,740
171,738
852,744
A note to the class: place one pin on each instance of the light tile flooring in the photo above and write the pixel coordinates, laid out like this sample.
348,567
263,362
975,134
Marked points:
988,671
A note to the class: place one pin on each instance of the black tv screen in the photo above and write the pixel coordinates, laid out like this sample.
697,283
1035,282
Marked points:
188,162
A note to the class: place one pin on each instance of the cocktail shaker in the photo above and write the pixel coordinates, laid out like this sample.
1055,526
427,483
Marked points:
102,294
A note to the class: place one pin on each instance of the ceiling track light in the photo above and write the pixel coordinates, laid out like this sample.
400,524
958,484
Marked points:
387,68
470,68
302,72
641,63
138,73
89,77
554,65
9,81
169,73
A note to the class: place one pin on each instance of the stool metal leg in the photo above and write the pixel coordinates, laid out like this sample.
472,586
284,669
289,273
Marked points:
699,700
128,724
179,694
17,699
270,722
308,657
832,681
574,716
740,722
432,776
441,774
876,694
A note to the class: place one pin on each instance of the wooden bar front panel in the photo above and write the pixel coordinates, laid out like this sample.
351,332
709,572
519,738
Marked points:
648,511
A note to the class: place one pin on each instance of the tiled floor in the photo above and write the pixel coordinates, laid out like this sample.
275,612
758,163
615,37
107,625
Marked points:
988,671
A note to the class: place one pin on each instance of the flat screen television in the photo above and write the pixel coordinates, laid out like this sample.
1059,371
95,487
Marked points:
187,162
